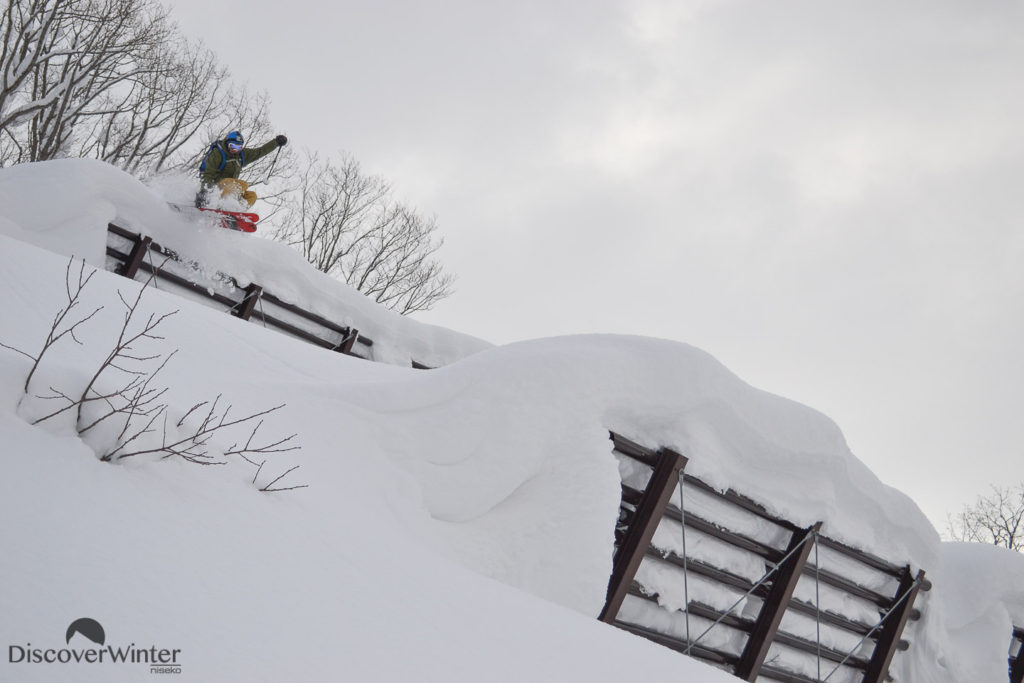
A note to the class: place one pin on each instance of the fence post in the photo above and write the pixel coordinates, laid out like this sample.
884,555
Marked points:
138,253
638,537
252,295
775,604
348,342
892,629
1017,664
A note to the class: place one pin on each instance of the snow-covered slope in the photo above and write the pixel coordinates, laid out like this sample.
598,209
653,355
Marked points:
458,523
65,205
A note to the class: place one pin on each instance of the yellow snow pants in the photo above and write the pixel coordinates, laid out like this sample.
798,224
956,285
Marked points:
238,189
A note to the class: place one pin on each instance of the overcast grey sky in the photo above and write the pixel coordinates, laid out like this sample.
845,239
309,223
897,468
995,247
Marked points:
826,196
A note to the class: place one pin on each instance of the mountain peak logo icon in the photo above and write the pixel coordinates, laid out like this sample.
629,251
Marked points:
90,628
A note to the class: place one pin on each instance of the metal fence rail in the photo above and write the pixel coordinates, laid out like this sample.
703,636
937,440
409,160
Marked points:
642,510
256,303
1017,655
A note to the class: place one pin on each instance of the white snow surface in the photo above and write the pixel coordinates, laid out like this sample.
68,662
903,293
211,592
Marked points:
65,205
458,523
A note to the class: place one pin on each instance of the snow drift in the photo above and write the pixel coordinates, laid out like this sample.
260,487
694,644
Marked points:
435,497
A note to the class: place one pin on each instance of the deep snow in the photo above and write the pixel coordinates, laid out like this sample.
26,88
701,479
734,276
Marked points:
458,522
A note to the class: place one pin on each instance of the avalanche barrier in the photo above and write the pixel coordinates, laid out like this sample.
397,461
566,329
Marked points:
722,579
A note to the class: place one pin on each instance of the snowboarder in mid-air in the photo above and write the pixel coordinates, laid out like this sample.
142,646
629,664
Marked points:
223,162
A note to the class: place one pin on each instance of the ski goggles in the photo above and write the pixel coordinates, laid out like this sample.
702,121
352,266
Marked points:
234,147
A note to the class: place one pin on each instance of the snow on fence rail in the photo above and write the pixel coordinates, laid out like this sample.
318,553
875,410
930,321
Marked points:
128,255
716,576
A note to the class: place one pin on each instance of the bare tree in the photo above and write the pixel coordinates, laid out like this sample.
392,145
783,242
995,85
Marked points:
996,519
115,80
347,224
149,124
124,388
29,30
62,326
62,60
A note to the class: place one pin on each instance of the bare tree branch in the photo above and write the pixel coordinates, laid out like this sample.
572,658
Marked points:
63,62
135,398
997,519
193,445
268,489
122,352
61,327
115,80
249,448
346,224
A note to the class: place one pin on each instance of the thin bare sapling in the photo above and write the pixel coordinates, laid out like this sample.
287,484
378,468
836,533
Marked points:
121,407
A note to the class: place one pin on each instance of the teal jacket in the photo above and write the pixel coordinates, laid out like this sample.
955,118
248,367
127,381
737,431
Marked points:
233,165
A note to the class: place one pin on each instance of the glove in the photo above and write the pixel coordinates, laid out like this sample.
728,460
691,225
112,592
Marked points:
281,141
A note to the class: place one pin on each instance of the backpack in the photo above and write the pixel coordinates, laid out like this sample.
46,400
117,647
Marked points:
223,157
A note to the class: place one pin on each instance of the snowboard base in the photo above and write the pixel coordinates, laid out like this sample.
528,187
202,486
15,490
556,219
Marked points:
242,221
235,220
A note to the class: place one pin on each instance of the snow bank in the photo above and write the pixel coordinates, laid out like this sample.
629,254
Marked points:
425,486
350,578
980,596
65,206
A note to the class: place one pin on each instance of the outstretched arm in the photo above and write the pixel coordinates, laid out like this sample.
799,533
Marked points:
254,153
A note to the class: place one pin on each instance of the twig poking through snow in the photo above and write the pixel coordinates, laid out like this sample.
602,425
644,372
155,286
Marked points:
137,401
60,327
267,489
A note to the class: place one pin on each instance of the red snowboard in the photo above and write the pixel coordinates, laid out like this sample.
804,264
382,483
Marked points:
236,220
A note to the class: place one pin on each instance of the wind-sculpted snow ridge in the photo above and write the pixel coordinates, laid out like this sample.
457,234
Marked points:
431,492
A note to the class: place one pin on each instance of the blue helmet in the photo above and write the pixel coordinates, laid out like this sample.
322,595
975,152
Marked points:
235,142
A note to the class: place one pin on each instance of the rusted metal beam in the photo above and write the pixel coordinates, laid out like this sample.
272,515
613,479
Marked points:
175,279
271,321
772,555
699,651
892,627
136,257
248,304
136,239
121,232
313,317
756,508
863,557
747,625
348,342
776,673
783,585
740,501
847,586
638,536
741,584
634,450
747,543
1017,663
